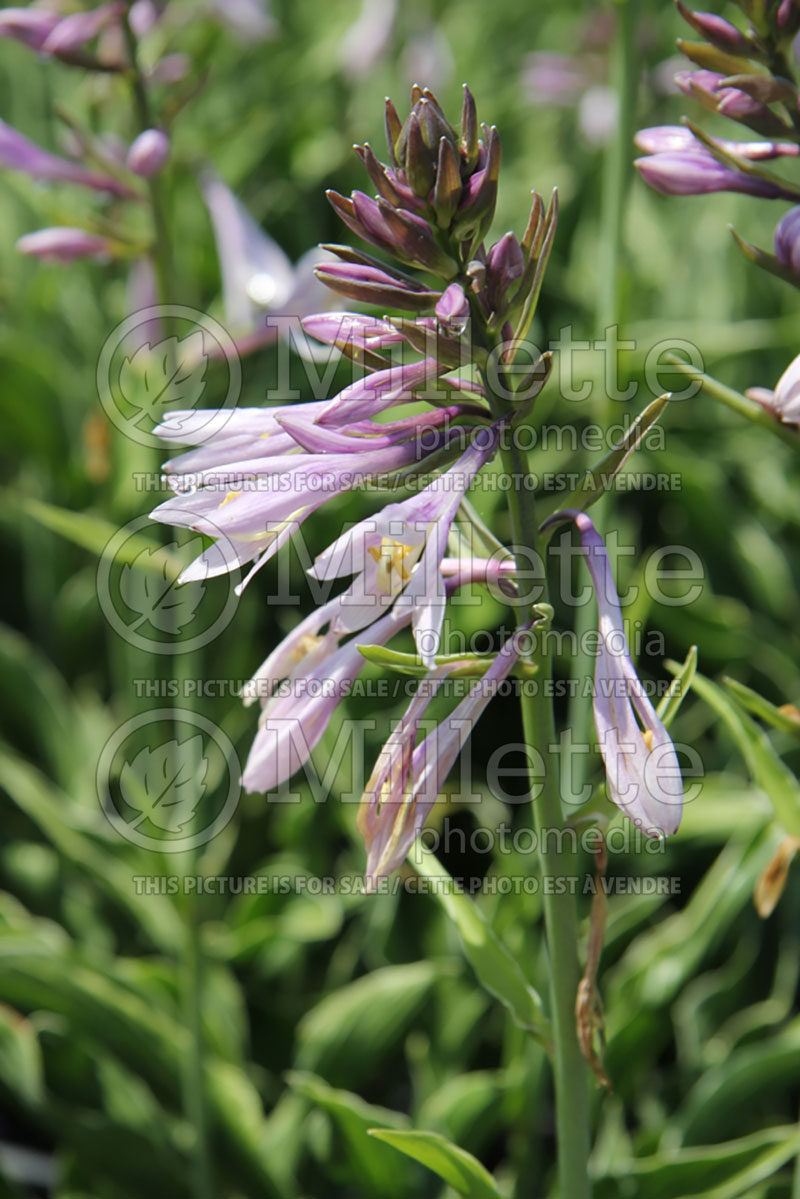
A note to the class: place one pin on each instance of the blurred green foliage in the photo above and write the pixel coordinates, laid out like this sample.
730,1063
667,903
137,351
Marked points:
323,1016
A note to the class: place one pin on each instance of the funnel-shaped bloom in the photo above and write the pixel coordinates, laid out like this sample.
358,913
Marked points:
257,276
305,678
406,781
397,554
642,770
784,401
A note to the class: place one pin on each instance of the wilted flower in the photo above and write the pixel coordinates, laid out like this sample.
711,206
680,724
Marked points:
642,769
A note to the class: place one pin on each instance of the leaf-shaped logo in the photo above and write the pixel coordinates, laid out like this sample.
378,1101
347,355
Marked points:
147,588
165,375
166,784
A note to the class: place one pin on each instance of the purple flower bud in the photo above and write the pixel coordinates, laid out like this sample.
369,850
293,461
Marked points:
64,244
452,311
697,173
787,241
504,266
732,102
372,285
660,139
787,17
31,26
148,153
78,28
716,30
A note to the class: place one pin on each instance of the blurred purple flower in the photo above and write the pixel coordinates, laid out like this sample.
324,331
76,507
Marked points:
257,276
696,172
74,31
31,26
19,153
249,21
148,153
63,244
661,139
366,42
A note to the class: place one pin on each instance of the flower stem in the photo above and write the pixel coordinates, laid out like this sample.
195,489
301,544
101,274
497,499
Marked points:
557,862
191,965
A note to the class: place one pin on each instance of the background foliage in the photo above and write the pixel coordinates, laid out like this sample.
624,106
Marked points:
322,1016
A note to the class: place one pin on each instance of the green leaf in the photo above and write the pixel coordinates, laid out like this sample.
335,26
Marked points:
679,687
600,478
350,1030
166,784
164,376
93,533
463,665
353,1118
20,1057
766,768
778,717
494,964
724,1171
151,590
459,1169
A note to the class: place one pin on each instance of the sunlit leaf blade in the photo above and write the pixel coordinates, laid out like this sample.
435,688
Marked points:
459,1169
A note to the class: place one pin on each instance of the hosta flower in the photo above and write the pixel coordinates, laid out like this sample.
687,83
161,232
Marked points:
397,554
258,278
660,139
19,153
787,241
63,244
148,153
784,401
303,681
695,172
254,483
406,781
642,770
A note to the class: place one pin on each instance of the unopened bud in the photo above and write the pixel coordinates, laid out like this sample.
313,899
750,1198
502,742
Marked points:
148,153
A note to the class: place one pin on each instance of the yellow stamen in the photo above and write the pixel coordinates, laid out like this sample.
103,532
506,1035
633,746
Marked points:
395,560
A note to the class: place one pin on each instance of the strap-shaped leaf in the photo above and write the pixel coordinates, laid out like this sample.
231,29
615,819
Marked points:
494,964
459,1169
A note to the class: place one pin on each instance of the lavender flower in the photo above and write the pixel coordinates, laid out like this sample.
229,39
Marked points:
406,781
696,172
19,153
148,153
63,244
31,26
787,241
397,555
642,770
784,401
257,276
661,139
315,671
75,30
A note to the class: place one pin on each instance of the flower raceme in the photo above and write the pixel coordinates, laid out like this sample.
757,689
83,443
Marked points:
642,770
